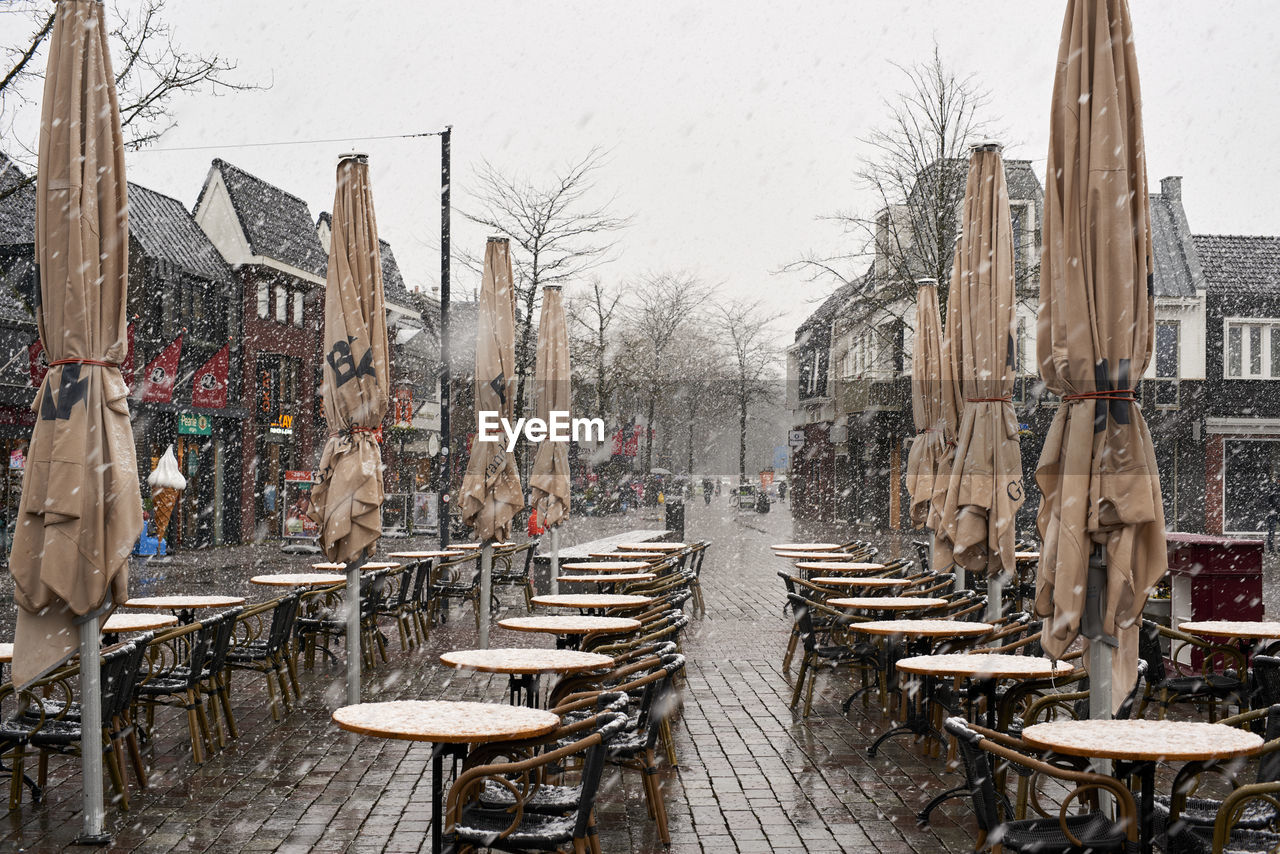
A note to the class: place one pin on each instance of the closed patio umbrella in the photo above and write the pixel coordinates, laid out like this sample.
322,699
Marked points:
984,490
81,509
549,481
928,447
1098,471
491,493
347,502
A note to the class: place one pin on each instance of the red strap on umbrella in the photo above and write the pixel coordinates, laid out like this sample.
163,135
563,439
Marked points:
84,362
1005,399
1114,394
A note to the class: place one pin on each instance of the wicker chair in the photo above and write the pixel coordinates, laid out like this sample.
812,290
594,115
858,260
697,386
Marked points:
451,580
1212,686
509,806
172,675
513,567
268,652
1092,831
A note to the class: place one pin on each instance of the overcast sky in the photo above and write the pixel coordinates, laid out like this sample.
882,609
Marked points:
731,125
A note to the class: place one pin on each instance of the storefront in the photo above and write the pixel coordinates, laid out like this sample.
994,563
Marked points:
203,444
278,452
1242,474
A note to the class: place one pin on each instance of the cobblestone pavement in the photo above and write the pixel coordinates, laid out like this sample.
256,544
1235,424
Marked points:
753,776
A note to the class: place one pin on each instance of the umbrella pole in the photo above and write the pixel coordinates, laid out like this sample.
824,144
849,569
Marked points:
555,560
354,640
486,585
1101,647
91,733
995,596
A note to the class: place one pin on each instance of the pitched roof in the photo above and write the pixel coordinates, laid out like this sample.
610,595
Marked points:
1240,264
18,205
393,286
1177,271
276,223
166,231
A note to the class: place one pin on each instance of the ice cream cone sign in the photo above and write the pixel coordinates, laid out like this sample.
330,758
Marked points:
166,481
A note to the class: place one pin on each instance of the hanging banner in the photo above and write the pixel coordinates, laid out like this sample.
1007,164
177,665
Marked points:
161,374
209,385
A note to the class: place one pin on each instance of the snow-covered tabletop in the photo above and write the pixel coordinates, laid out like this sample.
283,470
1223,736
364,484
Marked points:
185,603
609,579
1140,740
888,603
855,581
1026,555
627,555
118,622
652,547
837,566
445,722
299,579
6,653
591,600
475,546
922,628
1234,629
803,555
805,547
427,555
986,664
524,661
339,567
605,565
569,625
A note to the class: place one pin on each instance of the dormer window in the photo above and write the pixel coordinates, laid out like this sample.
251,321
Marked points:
282,308
264,300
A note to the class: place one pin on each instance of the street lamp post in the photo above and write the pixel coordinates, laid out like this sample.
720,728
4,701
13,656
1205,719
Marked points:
445,435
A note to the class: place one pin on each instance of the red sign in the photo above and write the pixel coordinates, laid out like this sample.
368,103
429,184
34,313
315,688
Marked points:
300,477
209,385
161,374
35,354
402,413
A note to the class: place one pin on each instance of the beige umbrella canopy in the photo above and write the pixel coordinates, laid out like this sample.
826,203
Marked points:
984,490
347,502
549,482
491,493
1097,471
929,446
81,508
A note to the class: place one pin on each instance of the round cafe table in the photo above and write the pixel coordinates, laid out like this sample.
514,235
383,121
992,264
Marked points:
6,653
1137,745
185,606
917,636
590,601
803,555
888,603
606,582
299,579
472,547
449,727
118,623
855,581
652,547
805,547
430,554
1233,629
850,568
644,556
984,668
524,667
569,630
606,566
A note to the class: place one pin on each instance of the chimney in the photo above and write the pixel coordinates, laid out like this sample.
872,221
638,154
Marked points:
1171,188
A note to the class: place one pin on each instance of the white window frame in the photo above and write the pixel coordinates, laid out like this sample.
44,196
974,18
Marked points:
1269,326
297,308
264,300
282,304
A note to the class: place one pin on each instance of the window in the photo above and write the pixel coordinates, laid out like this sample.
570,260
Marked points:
1166,385
1252,349
1020,348
297,308
264,299
282,308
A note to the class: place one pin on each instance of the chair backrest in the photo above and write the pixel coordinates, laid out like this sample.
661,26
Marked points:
978,774
1150,651
658,701
612,724
804,623
1269,763
118,678
1266,678
282,621
421,574
223,632
133,676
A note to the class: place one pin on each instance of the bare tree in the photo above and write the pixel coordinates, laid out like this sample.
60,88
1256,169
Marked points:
744,334
151,69
917,179
592,313
664,310
559,233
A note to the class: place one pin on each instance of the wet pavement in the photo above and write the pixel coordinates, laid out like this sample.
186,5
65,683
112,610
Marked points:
753,776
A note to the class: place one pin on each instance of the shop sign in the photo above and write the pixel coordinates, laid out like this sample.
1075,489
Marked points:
191,424
282,426
796,438
301,477
17,459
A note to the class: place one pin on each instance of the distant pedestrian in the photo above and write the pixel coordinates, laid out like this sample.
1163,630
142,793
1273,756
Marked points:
782,491
708,489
